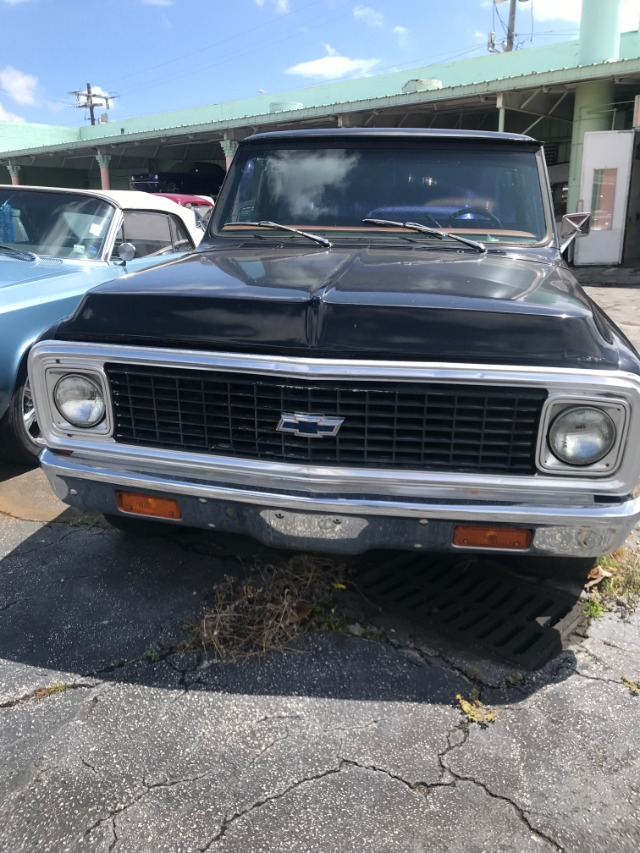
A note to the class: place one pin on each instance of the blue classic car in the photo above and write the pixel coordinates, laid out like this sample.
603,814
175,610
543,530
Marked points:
55,244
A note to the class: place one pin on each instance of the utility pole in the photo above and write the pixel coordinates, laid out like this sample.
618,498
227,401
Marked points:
511,26
507,44
90,101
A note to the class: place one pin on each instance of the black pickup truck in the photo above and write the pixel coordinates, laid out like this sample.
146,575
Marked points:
377,344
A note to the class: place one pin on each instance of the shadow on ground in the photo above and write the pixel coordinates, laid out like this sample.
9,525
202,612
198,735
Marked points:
78,601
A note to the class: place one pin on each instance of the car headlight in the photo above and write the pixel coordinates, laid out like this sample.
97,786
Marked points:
581,435
79,400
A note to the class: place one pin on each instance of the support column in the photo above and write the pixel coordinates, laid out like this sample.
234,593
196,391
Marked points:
501,111
14,172
593,105
229,147
592,110
103,162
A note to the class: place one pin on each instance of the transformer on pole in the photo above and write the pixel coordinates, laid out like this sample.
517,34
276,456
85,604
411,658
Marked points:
88,99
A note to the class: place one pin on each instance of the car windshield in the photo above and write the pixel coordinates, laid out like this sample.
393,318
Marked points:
55,224
489,192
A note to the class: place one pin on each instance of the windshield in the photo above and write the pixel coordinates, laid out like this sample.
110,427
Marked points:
62,225
489,192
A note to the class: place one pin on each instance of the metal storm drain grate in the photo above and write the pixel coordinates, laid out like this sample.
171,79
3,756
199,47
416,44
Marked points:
478,603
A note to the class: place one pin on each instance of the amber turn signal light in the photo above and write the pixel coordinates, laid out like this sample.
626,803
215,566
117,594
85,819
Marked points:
148,505
479,536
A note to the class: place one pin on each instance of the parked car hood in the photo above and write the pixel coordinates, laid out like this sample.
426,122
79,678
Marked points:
16,272
411,303
45,279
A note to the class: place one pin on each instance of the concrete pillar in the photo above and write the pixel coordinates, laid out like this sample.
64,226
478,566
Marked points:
593,104
229,146
14,172
599,31
103,162
592,110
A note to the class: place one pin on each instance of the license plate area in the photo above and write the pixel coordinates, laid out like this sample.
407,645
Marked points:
303,525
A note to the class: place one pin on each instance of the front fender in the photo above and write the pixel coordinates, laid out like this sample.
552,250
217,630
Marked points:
19,330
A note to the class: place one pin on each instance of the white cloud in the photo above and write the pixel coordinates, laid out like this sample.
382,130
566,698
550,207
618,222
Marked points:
282,6
402,34
56,106
370,16
331,51
20,87
332,67
96,91
629,16
157,2
552,10
5,115
571,10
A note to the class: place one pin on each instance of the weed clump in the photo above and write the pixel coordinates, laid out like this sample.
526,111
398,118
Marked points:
51,690
614,583
594,608
266,611
474,710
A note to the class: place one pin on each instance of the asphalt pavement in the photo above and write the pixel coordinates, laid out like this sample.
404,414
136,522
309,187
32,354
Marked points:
112,740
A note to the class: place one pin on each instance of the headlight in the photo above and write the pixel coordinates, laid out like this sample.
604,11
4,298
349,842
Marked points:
79,400
581,435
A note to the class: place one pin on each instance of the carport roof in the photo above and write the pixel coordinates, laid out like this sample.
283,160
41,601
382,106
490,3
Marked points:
472,84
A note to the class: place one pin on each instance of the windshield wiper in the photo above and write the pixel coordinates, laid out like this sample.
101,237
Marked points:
432,232
276,226
23,256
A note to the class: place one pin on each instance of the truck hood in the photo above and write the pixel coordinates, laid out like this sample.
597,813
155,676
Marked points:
401,303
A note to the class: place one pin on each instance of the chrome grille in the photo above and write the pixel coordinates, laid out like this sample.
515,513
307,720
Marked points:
425,425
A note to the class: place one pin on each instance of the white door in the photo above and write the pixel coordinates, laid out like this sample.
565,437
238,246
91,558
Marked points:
604,190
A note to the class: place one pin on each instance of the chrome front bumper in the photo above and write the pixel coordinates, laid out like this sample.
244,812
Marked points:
347,522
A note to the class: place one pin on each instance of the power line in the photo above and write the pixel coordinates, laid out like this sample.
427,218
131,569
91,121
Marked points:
215,44
221,59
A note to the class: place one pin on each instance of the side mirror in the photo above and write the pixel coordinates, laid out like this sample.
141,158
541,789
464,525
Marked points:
573,225
126,252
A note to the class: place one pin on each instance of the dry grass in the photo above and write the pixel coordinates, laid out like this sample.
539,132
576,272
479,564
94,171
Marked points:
631,685
474,710
620,588
266,611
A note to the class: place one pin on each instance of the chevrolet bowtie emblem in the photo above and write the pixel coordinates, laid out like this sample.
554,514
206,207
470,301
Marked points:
308,425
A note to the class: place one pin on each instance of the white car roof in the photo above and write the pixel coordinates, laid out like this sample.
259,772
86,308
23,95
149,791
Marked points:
128,200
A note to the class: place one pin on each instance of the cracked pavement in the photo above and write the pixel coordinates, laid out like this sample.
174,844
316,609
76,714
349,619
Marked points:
113,741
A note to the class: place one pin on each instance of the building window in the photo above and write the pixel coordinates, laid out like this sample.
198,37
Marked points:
602,199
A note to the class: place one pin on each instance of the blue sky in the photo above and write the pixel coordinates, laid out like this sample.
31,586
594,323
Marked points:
160,55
